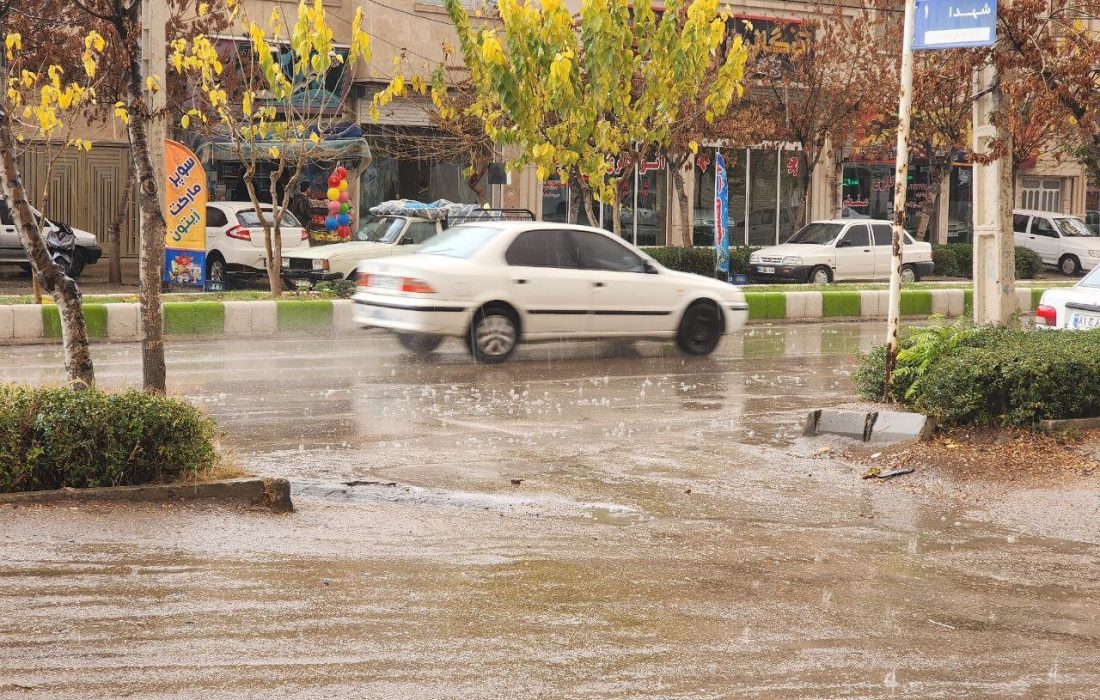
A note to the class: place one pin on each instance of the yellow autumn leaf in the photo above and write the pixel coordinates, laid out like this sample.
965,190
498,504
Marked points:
13,41
203,8
185,121
275,152
693,146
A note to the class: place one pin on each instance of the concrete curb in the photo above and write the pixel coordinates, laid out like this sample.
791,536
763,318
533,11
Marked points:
1057,426
270,493
29,324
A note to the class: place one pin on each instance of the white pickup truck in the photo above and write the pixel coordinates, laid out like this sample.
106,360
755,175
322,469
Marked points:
378,237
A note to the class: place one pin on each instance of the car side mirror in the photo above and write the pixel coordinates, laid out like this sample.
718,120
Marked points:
844,244
649,268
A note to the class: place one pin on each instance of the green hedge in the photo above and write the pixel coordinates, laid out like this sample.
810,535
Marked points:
701,261
53,437
991,375
957,260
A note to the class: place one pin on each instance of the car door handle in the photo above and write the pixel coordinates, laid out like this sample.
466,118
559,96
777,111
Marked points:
598,284
520,281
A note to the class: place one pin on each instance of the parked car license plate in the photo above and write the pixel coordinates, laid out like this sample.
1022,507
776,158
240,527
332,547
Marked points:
1084,321
766,270
384,282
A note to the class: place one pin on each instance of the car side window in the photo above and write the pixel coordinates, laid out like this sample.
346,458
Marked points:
883,234
598,252
857,237
1019,223
418,232
1041,226
542,248
215,217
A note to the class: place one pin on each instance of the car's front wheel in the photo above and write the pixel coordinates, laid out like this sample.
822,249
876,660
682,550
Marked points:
494,334
419,343
820,275
700,329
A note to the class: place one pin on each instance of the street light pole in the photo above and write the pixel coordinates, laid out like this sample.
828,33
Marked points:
901,178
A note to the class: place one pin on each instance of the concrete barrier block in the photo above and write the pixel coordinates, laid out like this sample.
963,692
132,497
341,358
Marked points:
896,426
265,317
940,302
123,321
7,323
342,321
872,303
956,302
238,317
830,421
26,321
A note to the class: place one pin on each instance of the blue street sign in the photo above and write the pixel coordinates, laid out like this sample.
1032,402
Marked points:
952,24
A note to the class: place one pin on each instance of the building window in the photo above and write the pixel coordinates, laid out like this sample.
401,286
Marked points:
1044,194
643,209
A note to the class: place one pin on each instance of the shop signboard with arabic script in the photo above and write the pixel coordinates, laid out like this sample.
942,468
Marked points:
185,191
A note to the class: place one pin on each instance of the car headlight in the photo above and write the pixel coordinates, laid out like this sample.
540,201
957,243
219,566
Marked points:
1094,253
754,258
286,262
320,265
792,260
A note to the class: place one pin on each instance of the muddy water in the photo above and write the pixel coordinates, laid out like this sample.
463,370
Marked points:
587,521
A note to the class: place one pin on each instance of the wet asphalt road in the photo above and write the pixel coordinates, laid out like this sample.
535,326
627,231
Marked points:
586,521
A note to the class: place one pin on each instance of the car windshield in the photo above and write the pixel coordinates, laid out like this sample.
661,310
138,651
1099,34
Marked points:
816,234
1092,279
1072,227
385,229
460,241
249,219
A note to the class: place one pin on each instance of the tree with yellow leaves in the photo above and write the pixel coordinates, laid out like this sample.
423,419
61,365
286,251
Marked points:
574,100
273,110
38,103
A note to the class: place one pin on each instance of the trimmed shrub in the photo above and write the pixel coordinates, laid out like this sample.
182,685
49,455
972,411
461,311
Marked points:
957,260
53,437
700,261
990,375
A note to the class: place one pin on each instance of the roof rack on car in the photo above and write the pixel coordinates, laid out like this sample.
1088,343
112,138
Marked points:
480,214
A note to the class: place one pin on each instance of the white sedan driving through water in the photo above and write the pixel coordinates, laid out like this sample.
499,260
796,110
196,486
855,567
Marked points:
502,283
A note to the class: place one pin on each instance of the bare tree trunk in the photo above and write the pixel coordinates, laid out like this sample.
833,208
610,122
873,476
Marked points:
617,210
273,235
586,198
154,373
114,233
63,290
928,206
576,193
687,232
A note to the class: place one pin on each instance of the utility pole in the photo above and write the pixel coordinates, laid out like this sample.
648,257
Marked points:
901,180
994,244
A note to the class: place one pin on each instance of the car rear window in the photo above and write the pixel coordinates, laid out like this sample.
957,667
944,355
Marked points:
460,241
249,219
1092,279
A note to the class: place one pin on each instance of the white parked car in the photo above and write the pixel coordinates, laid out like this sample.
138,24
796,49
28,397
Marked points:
1076,308
497,284
840,249
235,239
11,248
1062,241
378,237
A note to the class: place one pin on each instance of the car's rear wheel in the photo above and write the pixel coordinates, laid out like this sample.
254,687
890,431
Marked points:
1069,265
820,275
494,334
419,343
215,269
909,274
700,329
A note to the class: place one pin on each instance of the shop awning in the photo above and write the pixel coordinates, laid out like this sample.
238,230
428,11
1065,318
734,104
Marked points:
328,149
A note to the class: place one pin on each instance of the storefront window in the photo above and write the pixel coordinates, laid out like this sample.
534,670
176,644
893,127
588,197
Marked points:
646,225
868,192
392,175
703,203
762,198
960,223
555,201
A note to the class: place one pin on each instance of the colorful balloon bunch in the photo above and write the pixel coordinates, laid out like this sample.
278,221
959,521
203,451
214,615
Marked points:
339,209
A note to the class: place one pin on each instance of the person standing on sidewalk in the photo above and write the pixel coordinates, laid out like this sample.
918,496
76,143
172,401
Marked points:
300,207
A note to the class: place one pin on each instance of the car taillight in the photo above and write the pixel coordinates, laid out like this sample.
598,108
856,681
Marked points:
240,233
1046,316
363,279
305,235
415,286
